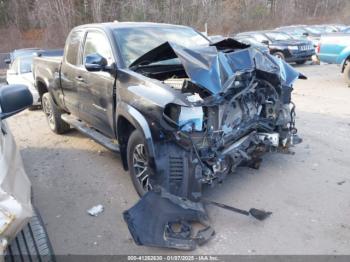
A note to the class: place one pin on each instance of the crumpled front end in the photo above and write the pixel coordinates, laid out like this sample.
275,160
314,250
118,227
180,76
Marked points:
15,190
238,107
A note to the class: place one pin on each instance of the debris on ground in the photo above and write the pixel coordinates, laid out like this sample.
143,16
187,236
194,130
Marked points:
95,210
341,182
173,226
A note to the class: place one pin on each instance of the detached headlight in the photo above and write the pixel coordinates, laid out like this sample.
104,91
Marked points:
185,117
293,47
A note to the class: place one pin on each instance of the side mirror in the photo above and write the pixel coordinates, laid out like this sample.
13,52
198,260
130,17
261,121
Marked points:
95,62
305,34
7,61
265,42
14,99
11,72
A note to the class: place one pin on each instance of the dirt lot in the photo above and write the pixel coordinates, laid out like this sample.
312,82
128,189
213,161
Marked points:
308,193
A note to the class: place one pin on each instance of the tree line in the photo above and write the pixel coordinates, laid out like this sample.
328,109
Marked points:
45,23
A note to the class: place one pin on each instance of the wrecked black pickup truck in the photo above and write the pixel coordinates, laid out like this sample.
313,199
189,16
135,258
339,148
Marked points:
181,110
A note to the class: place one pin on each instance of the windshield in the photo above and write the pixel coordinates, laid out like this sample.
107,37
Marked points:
294,31
278,36
313,30
25,64
134,42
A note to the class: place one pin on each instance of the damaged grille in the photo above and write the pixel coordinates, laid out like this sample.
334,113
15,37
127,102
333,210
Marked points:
176,83
176,167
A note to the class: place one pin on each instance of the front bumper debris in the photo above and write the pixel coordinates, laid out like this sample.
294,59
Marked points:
164,220
161,219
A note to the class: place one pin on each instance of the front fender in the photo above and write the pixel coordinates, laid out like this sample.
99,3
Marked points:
139,122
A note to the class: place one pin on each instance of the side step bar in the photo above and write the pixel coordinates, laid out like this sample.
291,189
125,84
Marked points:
90,132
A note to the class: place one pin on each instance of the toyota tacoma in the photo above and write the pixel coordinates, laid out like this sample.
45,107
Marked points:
182,111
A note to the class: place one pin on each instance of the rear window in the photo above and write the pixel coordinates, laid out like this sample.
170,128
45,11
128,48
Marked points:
25,64
73,44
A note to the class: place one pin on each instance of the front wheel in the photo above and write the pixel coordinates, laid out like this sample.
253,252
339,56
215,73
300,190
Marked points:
53,115
347,73
279,55
138,163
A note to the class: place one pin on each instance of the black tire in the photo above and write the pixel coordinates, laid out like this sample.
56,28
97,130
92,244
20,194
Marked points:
279,55
347,73
301,62
31,244
136,139
53,115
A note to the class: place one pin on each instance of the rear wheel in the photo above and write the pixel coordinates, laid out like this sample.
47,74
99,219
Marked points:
138,162
53,115
279,55
347,73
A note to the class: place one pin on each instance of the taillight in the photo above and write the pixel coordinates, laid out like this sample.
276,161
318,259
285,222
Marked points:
318,48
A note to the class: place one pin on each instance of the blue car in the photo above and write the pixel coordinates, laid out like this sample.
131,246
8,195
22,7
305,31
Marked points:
335,49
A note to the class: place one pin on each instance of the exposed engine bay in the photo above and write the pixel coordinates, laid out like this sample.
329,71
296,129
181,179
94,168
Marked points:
236,129
238,107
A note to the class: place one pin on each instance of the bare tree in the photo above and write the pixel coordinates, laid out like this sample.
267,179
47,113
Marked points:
45,23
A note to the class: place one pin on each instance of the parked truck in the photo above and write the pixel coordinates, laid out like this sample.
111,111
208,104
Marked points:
334,48
181,110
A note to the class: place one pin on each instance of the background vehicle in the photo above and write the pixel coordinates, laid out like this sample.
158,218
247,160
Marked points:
283,45
324,29
253,42
20,72
31,52
300,32
22,232
338,27
133,93
346,30
335,49
21,52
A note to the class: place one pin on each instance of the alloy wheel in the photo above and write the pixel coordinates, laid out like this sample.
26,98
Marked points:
48,112
141,168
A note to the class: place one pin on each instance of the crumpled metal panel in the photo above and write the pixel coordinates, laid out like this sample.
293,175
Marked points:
214,67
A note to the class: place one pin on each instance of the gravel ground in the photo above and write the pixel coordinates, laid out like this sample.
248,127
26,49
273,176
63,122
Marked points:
308,193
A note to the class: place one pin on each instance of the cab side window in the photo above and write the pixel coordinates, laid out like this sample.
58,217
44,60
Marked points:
73,44
97,43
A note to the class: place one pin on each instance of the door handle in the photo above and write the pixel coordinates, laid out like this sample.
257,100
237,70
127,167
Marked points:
79,78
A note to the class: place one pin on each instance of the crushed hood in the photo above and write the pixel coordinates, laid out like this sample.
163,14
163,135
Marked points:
214,67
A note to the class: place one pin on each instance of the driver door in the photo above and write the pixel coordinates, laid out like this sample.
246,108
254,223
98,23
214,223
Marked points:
96,93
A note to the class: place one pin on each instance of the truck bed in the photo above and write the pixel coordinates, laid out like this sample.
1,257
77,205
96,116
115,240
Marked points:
46,69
